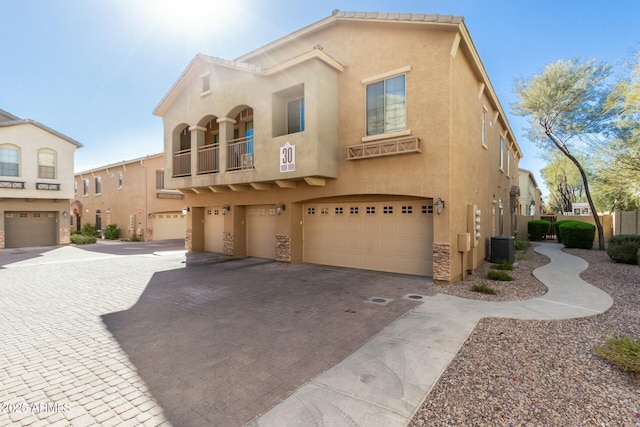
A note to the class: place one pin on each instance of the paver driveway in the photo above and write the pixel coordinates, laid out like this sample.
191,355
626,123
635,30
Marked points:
93,337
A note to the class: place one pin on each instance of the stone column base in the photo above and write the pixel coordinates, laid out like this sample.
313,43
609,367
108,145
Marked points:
227,243
442,261
188,240
283,248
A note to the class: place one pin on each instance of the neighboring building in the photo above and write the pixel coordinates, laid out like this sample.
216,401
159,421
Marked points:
530,200
130,194
36,183
580,208
364,140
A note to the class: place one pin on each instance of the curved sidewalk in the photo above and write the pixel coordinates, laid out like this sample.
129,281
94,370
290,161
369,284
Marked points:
385,381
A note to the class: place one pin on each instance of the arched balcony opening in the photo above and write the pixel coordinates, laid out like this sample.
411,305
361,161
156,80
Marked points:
181,144
209,145
240,149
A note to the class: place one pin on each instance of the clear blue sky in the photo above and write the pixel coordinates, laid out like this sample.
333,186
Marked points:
95,70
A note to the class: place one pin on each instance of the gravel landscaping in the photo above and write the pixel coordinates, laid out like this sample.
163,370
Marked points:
541,373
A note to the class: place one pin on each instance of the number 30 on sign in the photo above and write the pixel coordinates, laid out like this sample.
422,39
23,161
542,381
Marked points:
287,158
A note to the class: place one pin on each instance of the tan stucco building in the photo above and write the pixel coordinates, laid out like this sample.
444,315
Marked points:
36,183
530,199
130,194
364,140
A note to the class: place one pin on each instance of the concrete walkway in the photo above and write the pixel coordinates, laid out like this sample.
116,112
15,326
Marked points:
385,381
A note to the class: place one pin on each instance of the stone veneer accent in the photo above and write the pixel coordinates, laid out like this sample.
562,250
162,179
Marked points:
149,234
1,239
227,243
283,248
442,261
65,236
188,240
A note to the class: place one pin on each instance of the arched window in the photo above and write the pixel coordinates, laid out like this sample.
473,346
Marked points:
9,160
98,219
46,163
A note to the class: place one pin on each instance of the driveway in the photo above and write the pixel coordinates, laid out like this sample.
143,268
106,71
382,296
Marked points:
94,336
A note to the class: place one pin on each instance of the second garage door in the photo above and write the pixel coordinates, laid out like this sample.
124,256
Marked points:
385,236
213,229
28,229
169,225
261,231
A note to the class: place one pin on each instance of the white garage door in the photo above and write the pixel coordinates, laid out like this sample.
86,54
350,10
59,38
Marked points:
25,229
169,225
385,236
213,229
261,231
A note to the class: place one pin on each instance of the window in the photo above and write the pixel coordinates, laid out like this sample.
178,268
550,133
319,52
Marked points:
508,162
159,179
387,210
75,187
46,164
353,210
484,127
386,106
98,185
85,187
9,161
407,209
120,177
295,116
339,211
501,160
206,83
371,210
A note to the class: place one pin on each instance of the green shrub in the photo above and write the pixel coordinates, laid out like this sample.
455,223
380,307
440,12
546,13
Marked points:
76,232
624,352
624,248
576,234
499,275
638,254
503,266
112,232
556,227
538,229
521,243
130,239
89,230
483,289
81,239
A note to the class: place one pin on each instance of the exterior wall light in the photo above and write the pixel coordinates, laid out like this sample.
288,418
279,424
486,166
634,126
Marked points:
225,209
65,214
150,215
439,205
185,210
280,208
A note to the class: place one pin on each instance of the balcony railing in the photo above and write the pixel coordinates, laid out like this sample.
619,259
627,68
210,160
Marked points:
182,163
240,154
384,148
12,184
208,159
47,186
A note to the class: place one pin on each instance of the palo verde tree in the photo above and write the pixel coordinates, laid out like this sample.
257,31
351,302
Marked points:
565,105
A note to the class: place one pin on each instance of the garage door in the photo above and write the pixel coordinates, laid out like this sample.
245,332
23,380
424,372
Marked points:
25,229
384,236
261,231
213,229
169,225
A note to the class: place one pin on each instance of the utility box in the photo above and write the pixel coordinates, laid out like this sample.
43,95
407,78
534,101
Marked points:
464,242
503,249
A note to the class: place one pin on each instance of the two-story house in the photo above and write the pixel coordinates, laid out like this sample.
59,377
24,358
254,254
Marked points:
36,183
530,199
131,195
366,140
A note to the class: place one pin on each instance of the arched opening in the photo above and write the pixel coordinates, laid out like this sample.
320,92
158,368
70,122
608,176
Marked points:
209,145
181,144
240,148
98,219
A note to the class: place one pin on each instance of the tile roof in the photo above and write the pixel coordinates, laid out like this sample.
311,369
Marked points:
386,16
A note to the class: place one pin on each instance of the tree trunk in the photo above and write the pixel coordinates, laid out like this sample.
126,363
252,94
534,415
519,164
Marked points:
596,218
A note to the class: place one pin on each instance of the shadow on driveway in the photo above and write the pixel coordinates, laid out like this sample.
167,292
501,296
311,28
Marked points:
220,344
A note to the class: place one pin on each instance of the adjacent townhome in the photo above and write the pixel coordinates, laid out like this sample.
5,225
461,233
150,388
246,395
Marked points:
131,195
36,183
364,140
530,200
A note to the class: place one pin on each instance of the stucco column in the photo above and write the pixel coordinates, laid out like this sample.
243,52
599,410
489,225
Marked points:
197,141
226,134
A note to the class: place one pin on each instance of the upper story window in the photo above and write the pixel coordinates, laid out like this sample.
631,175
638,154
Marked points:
484,127
120,179
9,160
508,162
501,159
295,116
159,179
386,106
98,184
75,187
85,187
46,163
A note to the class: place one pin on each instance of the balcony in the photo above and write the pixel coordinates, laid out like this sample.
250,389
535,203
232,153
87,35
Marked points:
182,163
47,186
384,148
208,159
12,184
240,154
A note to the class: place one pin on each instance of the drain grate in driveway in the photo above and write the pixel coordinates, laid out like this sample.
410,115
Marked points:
415,297
379,300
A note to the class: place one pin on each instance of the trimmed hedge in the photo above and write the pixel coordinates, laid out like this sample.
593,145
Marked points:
112,232
576,234
538,229
556,227
624,248
81,239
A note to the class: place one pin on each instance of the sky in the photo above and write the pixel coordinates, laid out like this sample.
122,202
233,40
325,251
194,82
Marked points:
95,70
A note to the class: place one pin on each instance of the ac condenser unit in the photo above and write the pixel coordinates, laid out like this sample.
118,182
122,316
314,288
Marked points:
503,249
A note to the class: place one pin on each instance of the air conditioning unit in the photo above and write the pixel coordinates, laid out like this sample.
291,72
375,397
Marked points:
503,249
247,161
